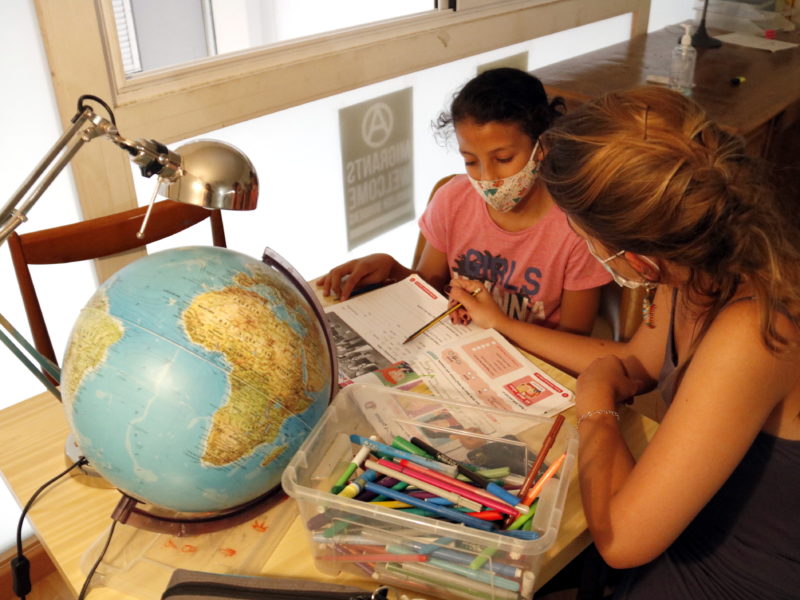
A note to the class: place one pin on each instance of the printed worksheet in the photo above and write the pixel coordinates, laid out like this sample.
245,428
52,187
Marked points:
452,362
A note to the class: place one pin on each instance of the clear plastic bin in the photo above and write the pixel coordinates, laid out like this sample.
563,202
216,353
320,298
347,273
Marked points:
343,531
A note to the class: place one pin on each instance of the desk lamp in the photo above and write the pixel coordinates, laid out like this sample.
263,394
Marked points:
205,173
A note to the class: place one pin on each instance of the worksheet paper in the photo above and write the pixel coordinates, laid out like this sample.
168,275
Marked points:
461,363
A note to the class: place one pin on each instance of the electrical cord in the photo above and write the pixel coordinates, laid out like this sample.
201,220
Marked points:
20,565
88,580
101,102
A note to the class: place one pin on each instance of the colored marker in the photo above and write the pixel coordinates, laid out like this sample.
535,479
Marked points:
474,477
429,485
457,556
546,445
449,580
353,488
508,497
482,576
394,452
455,486
446,513
537,489
362,453
403,444
374,558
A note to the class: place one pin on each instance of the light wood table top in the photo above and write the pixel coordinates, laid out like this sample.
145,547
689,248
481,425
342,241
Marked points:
72,516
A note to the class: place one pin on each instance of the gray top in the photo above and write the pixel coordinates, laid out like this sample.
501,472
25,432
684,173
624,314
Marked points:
745,543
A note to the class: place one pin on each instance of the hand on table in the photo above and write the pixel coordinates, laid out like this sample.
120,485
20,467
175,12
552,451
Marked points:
341,281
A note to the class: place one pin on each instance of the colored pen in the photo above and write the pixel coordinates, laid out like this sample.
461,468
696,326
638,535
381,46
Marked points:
534,492
447,513
449,580
403,444
351,467
482,576
546,445
454,485
439,317
429,485
460,557
477,479
373,558
394,452
507,497
352,489
409,583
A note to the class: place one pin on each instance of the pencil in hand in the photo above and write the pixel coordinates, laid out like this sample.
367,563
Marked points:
438,318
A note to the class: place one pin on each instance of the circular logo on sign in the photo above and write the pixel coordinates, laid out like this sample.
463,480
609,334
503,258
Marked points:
376,126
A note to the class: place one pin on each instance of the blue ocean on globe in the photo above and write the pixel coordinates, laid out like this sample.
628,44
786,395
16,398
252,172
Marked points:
192,376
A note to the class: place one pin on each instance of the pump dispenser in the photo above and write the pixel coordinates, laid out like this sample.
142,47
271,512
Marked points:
684,57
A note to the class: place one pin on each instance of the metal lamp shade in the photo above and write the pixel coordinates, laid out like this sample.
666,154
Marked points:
213,174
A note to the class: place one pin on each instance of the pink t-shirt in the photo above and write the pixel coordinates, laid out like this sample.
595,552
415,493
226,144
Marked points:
527,270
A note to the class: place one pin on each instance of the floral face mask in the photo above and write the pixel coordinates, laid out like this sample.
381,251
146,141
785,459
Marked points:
504,194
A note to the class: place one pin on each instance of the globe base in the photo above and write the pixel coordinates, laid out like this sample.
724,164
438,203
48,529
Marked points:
150,518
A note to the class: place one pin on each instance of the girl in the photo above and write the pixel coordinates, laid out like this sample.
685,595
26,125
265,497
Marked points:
497,225
668,201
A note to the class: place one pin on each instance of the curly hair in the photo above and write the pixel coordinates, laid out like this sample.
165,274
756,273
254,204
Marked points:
505,95
646,171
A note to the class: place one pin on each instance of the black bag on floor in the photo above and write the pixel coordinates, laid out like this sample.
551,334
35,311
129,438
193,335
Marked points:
197,585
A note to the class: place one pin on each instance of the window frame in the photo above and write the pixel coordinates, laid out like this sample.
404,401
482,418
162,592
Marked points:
188,100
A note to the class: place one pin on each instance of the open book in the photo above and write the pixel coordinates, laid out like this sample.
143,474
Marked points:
462,363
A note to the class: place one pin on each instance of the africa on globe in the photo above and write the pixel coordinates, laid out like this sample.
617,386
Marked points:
192,376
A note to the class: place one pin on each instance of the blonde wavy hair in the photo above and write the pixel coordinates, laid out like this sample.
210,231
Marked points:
645,171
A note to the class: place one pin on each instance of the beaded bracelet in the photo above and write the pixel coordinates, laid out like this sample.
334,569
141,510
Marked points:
600,411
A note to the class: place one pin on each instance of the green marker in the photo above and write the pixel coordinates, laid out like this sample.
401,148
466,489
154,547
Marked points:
359,458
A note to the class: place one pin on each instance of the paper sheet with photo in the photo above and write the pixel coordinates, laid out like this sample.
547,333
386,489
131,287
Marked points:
453,362
369,330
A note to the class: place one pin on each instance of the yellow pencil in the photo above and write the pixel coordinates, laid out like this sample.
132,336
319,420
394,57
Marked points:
438,318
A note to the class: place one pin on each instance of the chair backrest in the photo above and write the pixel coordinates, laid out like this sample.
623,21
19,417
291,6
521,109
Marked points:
421,238
620,307
96,238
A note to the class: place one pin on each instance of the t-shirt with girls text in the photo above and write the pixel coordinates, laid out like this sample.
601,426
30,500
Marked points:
525,271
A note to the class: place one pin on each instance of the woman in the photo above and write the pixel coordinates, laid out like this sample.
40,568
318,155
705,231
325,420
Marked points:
668,201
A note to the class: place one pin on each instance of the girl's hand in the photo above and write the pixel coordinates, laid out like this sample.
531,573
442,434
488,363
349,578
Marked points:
342,280
481,308
604,384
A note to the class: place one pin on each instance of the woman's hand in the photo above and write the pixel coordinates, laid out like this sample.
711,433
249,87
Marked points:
604,384
373,269
480,308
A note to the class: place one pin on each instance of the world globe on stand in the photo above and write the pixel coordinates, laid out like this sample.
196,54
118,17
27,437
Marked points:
192,376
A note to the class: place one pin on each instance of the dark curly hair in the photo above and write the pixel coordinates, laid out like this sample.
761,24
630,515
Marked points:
506,95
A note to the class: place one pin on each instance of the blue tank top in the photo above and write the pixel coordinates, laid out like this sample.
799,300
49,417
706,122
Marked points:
745,543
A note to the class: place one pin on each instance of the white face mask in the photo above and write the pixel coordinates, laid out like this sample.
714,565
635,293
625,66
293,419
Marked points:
619,278
504,194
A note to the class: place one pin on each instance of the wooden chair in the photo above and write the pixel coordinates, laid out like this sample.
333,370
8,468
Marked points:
619,307
96,238
421,238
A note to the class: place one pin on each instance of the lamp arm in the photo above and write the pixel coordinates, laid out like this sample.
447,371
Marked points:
152,158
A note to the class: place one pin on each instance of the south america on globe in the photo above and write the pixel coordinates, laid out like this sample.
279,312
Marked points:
192,376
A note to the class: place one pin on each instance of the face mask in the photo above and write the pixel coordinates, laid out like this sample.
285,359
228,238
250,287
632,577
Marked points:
504,194
620,279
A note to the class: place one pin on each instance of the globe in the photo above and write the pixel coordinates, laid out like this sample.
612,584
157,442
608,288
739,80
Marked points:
193,374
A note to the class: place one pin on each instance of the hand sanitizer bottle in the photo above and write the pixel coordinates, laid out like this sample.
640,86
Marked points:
684,57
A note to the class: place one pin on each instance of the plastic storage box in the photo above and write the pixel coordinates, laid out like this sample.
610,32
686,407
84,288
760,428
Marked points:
356,535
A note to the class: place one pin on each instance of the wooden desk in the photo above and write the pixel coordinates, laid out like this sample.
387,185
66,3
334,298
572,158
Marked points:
767,103
71,516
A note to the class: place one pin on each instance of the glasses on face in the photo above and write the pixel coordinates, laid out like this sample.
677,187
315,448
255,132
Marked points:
618,277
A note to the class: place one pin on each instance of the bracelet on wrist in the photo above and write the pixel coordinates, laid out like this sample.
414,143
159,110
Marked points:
600,411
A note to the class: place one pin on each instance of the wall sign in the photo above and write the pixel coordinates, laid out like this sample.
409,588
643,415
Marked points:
377,165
